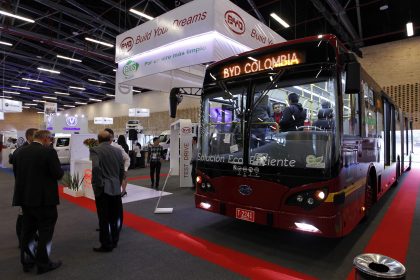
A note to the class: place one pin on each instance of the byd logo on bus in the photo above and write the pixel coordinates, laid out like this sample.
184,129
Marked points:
235,22
127,44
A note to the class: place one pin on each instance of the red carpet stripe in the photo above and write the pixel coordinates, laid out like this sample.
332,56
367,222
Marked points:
392,236
143,177
232,260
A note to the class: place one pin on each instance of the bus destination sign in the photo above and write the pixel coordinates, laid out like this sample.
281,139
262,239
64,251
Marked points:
253,65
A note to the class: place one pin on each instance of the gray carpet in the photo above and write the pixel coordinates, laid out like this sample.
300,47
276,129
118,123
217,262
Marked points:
142,257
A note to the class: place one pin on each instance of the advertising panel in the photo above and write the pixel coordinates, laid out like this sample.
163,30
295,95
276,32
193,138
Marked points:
10,106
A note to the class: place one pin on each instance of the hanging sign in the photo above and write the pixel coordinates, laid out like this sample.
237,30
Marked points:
10,105
50,108
103,120
139,112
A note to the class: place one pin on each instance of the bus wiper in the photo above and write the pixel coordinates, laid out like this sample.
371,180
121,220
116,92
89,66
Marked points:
267,89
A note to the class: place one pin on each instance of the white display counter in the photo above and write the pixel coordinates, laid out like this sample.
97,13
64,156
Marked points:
5,152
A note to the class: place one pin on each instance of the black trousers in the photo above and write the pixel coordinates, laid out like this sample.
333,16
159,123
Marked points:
108,208
41,219
155,166
193,172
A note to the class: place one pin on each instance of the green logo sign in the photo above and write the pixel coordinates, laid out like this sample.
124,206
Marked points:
130,68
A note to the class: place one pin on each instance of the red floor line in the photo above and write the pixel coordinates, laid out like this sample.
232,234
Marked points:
392,236
143,177
232,260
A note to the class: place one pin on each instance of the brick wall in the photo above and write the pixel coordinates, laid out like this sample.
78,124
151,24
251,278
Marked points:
396,68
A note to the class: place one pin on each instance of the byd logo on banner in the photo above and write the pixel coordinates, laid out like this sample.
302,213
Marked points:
127,44
186,130
235,22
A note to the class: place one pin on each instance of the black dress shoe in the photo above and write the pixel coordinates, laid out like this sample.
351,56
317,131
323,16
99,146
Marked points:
28,267
49,267
102,249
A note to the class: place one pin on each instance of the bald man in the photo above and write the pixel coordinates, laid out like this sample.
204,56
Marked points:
107,176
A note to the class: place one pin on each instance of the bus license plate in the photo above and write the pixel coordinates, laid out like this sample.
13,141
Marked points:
244,214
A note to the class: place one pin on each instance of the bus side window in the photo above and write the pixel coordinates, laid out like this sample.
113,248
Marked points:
351,121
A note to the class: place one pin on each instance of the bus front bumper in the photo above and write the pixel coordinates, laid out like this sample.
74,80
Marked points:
327,226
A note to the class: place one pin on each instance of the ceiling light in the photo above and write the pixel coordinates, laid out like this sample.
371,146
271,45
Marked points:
5,43
16,16
79,88
93,99
12,92
61,93
30,104
115,70
99,42
253,59
97,81
68,58
112,95
21,87
280,20
48,70
32,80
40,112
36,100
141,14
81,103
7,97
69,106
134,90
50,97
410,30
26,107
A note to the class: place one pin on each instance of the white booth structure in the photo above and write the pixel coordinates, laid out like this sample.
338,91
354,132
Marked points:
181,140
172,50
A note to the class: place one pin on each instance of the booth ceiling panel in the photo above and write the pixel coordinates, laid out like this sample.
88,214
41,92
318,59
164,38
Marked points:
61,26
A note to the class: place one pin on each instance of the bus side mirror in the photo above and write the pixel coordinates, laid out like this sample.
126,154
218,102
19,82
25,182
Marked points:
174,99
352,77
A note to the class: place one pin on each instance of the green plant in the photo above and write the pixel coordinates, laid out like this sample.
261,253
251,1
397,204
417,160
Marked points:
90,142
73,182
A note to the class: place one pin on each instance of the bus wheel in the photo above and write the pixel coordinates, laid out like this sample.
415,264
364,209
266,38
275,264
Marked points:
369,197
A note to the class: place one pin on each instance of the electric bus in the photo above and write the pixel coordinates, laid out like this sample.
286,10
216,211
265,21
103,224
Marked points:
320,175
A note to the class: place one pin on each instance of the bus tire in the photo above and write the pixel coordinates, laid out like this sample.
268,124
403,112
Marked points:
370,194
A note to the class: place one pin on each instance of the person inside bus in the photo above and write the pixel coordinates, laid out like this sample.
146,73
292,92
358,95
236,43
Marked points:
261,120
325,117
293,115
277,108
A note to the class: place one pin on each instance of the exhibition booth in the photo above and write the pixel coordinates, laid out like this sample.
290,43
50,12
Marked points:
172,50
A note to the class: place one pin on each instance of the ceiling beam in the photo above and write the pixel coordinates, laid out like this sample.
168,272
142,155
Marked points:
256,11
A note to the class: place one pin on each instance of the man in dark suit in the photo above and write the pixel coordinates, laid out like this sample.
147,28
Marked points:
107,176
37,170
29,134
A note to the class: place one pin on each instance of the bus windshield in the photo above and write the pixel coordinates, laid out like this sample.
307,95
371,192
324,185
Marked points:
271,121
293,123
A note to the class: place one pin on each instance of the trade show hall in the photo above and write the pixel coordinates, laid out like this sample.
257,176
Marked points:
193,244
210,139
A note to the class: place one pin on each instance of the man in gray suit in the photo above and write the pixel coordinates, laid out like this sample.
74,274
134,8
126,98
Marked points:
107,175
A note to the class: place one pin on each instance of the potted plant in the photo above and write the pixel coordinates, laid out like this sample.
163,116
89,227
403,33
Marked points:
73,184
90,142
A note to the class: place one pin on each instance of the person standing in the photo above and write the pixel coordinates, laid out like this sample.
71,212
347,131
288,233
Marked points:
294,115
123,143
37,169
107,176
29,135
277,108
194,161
155,158
137,150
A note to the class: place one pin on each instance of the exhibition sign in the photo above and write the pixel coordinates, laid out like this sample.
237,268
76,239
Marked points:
156,53
10,106
103,120
66,124
50,108
139,112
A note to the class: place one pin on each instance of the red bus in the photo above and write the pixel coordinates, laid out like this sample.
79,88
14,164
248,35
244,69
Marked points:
338,145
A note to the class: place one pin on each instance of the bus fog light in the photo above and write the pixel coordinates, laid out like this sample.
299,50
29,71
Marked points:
208,185
205,205
306,227
299,198
310,201
203,186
